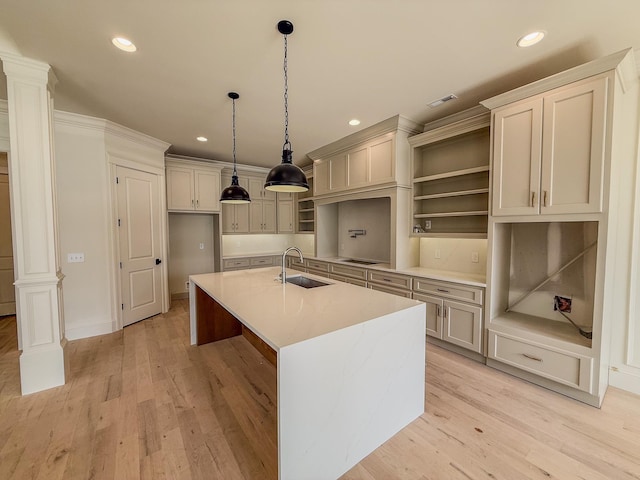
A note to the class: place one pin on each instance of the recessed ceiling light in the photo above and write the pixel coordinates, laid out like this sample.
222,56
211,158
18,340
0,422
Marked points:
530,39
202,139
354,122
124,44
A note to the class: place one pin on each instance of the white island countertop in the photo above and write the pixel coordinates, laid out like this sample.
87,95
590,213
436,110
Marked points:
350,361
283,315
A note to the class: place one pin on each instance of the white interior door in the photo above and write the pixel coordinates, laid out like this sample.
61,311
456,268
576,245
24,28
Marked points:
140,244
7,290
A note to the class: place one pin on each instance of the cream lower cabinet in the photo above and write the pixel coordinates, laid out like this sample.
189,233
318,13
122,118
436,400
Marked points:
348,274
389,283
243,263
549,151
448,318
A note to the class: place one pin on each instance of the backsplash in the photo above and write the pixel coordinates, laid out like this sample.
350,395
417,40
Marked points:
236,245
455,254
372,216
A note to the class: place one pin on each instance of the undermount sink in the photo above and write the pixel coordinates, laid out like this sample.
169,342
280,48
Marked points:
359,262
306,282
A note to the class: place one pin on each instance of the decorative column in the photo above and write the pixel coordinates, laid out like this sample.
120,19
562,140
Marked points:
32,185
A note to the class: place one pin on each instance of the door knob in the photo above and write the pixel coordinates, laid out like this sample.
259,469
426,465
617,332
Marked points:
158,261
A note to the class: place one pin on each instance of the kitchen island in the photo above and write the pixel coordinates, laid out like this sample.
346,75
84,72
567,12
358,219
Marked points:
350,361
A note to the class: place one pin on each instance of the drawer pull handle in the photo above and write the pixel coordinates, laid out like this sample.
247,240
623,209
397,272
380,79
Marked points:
442,290
531,357
386,279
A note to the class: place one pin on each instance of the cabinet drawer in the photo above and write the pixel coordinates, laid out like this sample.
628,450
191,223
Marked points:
236,263
318,266
388,289
347,271
352,281
560,366
390,279
449,290
262,261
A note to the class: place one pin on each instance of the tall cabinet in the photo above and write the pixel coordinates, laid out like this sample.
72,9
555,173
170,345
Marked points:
559,238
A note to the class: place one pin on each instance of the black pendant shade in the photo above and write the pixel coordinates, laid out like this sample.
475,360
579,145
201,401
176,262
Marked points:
234,193
286,177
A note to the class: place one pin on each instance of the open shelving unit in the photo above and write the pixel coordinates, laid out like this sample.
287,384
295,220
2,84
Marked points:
306,209
451,179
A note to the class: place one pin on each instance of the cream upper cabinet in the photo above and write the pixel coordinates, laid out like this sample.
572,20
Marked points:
375,157
193,189
548,151
235,218
262,209
285,215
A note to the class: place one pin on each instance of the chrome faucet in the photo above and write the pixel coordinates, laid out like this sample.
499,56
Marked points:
283,275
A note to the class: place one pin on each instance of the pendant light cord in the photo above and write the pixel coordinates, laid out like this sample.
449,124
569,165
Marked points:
233,130
286,100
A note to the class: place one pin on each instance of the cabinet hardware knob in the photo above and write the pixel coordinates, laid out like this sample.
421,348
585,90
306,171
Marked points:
544,199
442,290
531,357
192,202
533,199
198,203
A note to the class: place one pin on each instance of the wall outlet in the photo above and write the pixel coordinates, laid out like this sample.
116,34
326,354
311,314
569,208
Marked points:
437,253
75,257
427,224
474,257
186,285
562,303
202,246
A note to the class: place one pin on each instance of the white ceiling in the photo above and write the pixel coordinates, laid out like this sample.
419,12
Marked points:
368,59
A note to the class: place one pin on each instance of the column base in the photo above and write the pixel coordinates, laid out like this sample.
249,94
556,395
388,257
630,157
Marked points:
41,369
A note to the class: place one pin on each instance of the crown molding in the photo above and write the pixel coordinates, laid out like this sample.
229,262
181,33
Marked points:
397,123
227,167
106,127
463,125
621,61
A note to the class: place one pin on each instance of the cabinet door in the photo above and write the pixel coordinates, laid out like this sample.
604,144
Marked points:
573,148
228,218
242,218
381,164
337,172
517,147
269,216
180,195
256,188
255,216
285,216
358,170
462,325
321,177
434,314
207,191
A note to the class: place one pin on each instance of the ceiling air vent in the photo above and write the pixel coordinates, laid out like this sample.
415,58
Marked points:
442,100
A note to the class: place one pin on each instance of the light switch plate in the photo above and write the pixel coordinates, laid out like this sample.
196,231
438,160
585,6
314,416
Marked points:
474,257
75,257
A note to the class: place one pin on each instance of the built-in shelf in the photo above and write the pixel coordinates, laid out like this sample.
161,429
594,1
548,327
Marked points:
451,178
454,173
305,209
515,322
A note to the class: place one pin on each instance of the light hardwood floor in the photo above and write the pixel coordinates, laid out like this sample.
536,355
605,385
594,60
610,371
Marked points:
143,403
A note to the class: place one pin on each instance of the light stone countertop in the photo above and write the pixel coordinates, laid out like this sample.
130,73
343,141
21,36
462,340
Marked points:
283,315
471,279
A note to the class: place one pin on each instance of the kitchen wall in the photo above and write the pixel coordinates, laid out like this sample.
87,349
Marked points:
84,227
454,254
372,215
238,245
192,249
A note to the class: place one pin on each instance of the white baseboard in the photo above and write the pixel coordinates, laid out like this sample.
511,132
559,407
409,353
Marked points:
86,331
624,380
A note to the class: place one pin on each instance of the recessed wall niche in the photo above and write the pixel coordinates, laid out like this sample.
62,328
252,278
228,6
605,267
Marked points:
544,261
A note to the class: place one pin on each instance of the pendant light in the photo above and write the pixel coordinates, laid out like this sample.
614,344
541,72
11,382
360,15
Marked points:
234,193
286,177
